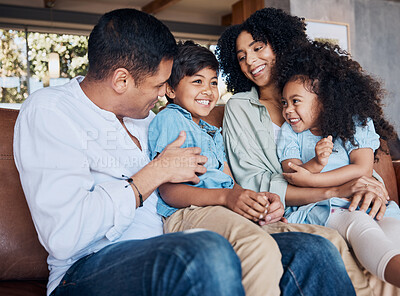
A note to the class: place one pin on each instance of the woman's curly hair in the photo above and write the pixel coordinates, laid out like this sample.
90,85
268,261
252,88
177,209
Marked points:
269,25
344,89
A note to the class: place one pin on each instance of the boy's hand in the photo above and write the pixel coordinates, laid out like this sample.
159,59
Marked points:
301,176
248,203
323,149
275,210
180,164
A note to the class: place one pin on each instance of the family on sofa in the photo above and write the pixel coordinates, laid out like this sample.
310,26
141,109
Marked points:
98,167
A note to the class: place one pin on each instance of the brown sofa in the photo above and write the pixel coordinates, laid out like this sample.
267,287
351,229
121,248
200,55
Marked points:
23,267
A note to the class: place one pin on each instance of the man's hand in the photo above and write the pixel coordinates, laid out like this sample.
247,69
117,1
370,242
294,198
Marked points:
323,149
180,164
248,203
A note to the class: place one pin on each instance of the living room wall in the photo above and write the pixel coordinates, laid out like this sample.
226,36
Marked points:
374,37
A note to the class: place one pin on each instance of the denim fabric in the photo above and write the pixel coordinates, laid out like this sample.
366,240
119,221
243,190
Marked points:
312,266
165,128
183,263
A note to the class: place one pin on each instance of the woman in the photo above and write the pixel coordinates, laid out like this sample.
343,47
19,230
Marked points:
253,116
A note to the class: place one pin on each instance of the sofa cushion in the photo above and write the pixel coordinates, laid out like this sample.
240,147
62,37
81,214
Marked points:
384,167
21,254
23,288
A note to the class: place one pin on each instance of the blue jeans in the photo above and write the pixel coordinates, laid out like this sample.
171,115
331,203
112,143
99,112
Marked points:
199,263
312,266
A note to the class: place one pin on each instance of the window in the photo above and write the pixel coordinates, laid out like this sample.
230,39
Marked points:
20,48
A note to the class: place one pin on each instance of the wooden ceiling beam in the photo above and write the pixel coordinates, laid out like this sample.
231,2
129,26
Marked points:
158,5
242,9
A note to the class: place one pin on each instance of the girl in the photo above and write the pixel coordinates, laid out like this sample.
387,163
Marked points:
330,107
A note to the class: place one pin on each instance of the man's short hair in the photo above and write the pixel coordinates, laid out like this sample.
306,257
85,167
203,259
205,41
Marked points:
130,39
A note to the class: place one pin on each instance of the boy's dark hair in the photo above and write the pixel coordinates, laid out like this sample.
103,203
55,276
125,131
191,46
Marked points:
191,58
345,91
269,25
130,39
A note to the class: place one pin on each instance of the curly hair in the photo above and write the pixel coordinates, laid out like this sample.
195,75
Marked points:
344,89
269,25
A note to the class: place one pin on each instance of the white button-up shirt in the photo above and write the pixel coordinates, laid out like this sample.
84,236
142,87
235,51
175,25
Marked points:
71,156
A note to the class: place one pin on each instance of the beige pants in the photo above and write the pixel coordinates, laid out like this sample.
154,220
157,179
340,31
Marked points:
258,252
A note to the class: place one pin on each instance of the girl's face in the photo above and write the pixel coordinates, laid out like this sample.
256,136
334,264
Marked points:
256,59
198,94
301,107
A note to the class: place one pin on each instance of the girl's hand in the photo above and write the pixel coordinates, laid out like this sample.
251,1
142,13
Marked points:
301,176
248,203
275,210
323,149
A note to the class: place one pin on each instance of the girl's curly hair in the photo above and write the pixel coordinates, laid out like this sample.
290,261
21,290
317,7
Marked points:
269,25
344,89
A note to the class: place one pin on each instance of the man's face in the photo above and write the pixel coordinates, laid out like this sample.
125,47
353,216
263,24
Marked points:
141,98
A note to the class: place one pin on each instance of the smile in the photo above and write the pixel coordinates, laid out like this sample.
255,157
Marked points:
258,70
203,102
294,120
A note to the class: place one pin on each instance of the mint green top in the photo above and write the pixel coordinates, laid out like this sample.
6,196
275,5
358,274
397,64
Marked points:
249,144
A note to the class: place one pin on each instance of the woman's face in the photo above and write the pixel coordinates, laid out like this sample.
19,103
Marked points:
256,59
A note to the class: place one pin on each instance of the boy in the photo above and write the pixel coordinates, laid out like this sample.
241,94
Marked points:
192,92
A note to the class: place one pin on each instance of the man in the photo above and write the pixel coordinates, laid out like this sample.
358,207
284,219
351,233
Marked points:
81,150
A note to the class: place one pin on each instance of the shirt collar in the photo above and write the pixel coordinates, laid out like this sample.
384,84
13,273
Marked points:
184,112
203,125
251,96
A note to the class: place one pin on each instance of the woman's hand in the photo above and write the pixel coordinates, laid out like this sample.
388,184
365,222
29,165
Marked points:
365,192
248,203
275,210
366,200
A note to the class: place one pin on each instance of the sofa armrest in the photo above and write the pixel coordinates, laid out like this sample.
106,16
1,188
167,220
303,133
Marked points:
396,165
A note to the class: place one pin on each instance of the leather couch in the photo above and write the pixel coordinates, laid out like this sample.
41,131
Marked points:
23,267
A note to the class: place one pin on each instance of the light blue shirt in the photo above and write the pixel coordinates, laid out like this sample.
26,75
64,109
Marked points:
302,146
165,128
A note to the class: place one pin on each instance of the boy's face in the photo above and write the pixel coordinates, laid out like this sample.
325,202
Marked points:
198,94
301,107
